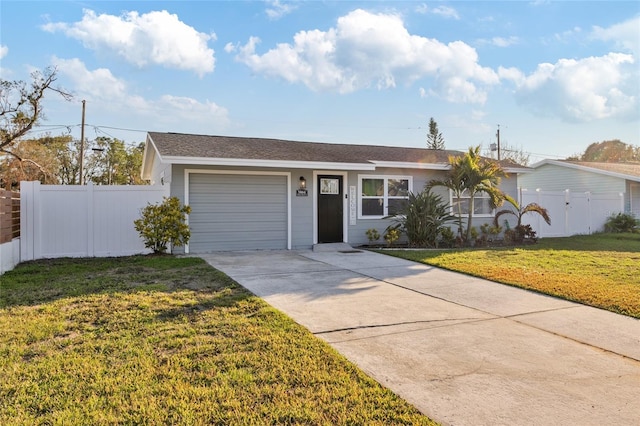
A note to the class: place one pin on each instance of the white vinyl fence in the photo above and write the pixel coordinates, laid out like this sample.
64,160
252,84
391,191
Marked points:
82,221
571,213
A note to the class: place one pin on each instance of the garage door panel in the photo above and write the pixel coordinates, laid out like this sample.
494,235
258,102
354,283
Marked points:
220,228
230,216
222,204
237,212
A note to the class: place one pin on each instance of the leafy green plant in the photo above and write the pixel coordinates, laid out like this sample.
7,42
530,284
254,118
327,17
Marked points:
447,237
521,232
422,218
164,223
391,235
372,235
488,233
470,175
622,222
519,212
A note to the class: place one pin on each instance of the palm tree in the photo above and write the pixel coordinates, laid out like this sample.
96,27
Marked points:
521,211
472,175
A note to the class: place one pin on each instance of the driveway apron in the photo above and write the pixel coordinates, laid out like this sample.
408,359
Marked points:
463,350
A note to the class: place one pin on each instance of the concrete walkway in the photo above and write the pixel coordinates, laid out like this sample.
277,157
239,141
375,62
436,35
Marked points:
464,351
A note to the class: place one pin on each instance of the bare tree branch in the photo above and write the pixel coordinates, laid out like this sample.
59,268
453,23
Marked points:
21,104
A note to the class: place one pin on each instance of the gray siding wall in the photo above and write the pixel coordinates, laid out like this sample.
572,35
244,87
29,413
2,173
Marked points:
302,206
550,177
160,172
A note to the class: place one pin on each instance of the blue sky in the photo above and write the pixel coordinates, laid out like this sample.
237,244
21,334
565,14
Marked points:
554,76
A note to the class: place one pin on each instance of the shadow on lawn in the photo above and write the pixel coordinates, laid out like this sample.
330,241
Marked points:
42,281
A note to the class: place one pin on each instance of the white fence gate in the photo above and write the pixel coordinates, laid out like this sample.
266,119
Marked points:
571,213
82,221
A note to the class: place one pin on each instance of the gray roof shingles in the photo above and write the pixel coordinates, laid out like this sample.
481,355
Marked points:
631,169
228,147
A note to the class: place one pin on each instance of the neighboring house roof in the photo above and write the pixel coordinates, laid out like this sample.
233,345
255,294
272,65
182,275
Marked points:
179,148
629,171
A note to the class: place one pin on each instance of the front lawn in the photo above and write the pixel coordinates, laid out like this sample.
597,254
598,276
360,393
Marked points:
601,270
164,340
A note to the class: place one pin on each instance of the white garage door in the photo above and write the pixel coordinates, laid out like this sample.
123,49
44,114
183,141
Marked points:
237,212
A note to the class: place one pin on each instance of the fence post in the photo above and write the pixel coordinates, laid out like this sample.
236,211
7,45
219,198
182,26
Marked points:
90,220
567,202
29,218
538,202
589,212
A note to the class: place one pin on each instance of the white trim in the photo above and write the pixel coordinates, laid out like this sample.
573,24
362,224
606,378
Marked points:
633,185
409,165
345,202
204,161
385,195
187,172
517,170
586,169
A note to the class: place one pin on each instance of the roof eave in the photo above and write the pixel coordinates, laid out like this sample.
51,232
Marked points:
411,165
586,169
518,170
148,158
243,162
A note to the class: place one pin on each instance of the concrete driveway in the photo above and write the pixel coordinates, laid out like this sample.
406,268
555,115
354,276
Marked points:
464,351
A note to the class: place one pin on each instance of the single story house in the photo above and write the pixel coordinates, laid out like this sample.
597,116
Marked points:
255,193
582,176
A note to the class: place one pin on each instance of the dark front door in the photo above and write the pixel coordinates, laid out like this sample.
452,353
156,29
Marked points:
330,209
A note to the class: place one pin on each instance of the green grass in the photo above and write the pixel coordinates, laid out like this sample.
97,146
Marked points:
601,270
164,340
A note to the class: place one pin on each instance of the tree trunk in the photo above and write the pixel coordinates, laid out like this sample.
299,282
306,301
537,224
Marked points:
470,218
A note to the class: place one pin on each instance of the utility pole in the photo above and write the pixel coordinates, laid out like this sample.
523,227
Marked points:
498,137
82,145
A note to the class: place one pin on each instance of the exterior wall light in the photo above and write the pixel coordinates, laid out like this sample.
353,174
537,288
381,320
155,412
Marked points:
303,183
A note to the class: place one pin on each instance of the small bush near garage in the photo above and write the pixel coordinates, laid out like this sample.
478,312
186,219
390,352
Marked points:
622,222
164,223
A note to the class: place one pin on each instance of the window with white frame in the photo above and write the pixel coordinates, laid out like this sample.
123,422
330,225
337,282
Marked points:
481,204
382,196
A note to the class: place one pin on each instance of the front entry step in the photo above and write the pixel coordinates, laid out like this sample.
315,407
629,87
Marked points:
330,247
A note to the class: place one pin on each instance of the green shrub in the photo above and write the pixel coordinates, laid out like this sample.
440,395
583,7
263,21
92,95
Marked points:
373,235
422,218
447,237
164,223
622,222
391,236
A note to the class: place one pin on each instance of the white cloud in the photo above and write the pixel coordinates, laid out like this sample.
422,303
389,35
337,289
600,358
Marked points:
372,50
625,35
277,10
581,90
446,12
512,74
98,84
568,36
4,50
422,9
505,42
152,38
498,41
102,89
